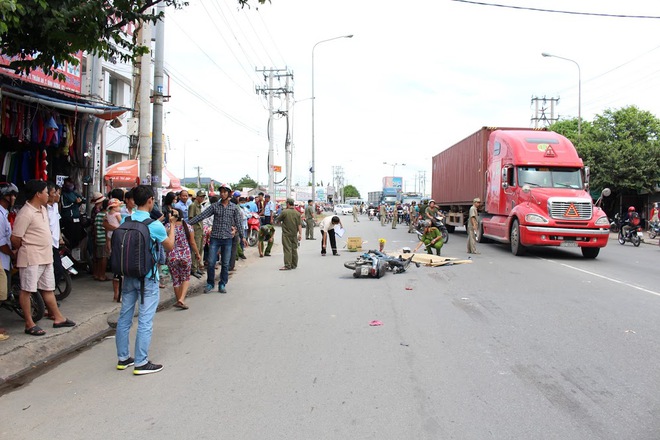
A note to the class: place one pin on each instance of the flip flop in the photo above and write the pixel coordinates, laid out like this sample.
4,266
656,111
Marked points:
67,323
180,305
35,331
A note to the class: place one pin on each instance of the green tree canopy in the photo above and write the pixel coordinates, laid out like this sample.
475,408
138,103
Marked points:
621,148
351,191
46,33
245,182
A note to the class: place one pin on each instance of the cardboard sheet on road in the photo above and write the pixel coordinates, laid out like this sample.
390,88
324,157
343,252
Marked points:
430,260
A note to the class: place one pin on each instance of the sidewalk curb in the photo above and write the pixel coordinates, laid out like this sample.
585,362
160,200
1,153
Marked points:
48,348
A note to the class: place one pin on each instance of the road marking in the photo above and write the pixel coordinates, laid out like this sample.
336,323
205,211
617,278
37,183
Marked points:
614,280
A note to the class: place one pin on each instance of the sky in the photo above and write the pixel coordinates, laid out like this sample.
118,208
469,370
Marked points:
415,78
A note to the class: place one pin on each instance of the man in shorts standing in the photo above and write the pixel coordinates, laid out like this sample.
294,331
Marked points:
32,238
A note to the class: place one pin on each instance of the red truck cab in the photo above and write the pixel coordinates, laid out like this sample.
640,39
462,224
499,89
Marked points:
536,194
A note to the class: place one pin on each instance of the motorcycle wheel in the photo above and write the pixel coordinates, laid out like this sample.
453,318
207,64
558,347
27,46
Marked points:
445,236
621,238
652,233
350,265
63,287
252,237
635,240
37,307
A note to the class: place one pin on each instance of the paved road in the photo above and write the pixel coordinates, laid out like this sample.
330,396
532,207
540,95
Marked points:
549,346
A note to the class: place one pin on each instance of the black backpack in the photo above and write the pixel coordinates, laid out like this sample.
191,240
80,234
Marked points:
134,253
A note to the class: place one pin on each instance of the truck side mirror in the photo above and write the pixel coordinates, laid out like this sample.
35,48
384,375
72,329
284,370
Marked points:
505,178
587,175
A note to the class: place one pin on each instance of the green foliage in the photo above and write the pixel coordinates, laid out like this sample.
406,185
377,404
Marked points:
621,148
351,191
46,34
245,182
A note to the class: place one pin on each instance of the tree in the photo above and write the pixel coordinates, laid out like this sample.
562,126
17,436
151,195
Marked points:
245,182
621,148
351,191
47,33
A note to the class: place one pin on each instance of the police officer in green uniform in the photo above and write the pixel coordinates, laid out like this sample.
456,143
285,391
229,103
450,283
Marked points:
198,229
267,234
309,220
291,234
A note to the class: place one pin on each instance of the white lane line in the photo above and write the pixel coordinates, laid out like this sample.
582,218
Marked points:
614,280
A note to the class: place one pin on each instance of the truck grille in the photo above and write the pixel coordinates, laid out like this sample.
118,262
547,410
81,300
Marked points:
570,209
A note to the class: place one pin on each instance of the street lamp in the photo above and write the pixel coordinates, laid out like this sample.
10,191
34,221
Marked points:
313,169
394,166
545,54
184,158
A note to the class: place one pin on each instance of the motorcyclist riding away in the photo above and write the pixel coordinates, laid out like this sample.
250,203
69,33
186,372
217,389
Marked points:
631,220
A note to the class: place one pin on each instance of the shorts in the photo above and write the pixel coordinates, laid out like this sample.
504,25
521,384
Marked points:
39,277
101,252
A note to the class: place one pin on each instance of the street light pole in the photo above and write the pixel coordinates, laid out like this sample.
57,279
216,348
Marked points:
313,100
545,54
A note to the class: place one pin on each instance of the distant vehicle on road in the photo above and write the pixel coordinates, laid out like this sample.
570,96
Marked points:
343,209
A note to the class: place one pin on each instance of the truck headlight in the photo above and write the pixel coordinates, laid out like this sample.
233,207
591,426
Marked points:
603,221
535,218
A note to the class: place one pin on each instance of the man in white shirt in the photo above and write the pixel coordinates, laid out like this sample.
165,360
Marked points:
54,218
327,227
269,210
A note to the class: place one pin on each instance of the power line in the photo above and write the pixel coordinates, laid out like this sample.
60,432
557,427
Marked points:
183,83
524,8
249,93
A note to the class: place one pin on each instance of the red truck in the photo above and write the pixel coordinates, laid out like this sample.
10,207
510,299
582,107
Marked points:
533,185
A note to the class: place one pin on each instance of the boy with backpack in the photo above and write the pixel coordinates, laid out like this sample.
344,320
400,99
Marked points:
135,254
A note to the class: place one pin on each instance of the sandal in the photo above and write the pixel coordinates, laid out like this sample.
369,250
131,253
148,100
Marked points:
285,268
180,305
67,323
35,331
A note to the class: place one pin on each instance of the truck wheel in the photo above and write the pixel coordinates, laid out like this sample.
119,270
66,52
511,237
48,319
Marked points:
517,249
590,252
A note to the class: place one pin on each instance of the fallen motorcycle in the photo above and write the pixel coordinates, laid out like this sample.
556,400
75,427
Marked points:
374,264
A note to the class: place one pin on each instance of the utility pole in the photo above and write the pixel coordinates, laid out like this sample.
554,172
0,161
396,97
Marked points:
144,37
541,118
157,140
288,146
199,176
270,91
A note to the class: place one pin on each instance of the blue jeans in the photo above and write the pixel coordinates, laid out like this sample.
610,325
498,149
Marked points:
224,246
130,295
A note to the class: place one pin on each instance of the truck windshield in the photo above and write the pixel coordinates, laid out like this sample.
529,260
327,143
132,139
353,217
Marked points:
545,177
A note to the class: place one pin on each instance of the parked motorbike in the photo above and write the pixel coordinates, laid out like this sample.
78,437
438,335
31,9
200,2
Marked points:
654,230
253,228
12,302
615,224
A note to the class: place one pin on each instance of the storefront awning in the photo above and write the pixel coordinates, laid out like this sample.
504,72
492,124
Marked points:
101,111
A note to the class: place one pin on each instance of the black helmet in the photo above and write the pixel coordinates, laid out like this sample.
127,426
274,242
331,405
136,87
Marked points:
7,189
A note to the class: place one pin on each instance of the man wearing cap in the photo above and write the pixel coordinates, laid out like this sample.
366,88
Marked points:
227,218
473,226
194,210
291,234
